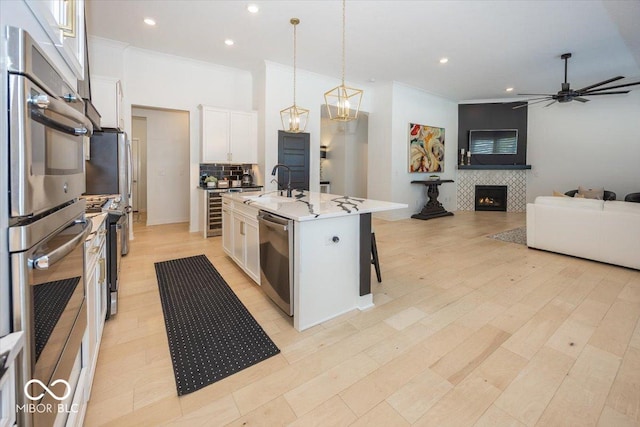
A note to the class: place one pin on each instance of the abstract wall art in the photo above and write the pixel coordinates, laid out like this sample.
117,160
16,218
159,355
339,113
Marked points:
426,148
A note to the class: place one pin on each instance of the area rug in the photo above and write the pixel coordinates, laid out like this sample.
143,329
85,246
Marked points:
517,235
211,333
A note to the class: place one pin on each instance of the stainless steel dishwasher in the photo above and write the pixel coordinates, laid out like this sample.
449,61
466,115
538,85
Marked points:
276,259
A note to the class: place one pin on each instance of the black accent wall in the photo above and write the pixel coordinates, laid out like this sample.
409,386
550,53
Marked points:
493,116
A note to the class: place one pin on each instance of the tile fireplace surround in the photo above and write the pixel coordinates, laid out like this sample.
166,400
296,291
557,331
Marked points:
515,180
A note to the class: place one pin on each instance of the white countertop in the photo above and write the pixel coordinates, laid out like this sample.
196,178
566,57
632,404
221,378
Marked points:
306,205
96,220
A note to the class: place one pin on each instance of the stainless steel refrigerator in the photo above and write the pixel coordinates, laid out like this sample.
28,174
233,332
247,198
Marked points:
108,172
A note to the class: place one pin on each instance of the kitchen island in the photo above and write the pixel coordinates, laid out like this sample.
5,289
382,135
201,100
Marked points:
330,253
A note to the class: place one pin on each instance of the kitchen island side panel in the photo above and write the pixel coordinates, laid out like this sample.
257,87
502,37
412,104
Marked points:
326,272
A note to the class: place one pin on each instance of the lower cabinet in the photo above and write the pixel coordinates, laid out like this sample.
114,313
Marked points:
240,238
96,298
252,249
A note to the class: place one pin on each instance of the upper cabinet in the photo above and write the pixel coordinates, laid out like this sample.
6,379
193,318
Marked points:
228,136
106,95
63,21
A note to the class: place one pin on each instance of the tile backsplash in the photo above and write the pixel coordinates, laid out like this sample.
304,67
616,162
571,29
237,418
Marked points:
221,171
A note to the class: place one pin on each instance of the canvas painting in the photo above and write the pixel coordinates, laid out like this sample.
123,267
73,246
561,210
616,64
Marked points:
426,148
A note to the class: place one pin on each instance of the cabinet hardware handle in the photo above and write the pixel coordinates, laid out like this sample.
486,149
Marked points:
102,264
242,228
94,250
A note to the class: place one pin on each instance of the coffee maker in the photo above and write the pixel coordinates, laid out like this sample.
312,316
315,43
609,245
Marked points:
247,178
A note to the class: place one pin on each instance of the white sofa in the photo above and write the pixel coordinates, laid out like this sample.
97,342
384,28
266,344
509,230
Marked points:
606,231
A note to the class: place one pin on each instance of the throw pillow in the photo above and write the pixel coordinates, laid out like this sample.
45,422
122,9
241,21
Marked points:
591,193
559,194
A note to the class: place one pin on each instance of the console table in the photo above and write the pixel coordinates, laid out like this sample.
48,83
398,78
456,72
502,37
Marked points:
433,208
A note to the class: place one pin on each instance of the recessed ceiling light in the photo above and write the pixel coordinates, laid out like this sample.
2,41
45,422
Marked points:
444,60
509,89
149,21
228,42
372,79
253,8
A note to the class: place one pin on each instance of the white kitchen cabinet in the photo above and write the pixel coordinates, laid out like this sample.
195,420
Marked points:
243,139
106,96
96,288
12,345
228,136
227,228
252,249
63,21
240,236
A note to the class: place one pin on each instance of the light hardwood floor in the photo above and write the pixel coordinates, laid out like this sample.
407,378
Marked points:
466,331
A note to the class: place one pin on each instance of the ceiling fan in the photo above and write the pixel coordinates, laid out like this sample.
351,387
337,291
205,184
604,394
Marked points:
567,94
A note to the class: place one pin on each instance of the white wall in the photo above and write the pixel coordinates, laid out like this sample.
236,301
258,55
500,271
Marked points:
139,131
411,105
596,144
380,144
167,165
278,94
154,79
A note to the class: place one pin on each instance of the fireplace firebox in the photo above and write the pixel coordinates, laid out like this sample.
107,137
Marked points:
491,198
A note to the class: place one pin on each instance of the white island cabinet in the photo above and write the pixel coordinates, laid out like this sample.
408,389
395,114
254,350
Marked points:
331,251
240,236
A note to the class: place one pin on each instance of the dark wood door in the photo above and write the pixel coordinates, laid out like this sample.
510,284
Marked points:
294,151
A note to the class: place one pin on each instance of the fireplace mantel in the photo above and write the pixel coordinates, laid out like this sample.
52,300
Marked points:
494,167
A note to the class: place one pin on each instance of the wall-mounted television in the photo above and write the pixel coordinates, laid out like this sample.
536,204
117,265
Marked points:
493,141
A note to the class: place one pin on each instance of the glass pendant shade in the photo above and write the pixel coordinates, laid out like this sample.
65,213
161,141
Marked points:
294,119
343,102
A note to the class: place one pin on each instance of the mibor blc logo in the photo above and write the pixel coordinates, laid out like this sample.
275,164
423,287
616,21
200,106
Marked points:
39,408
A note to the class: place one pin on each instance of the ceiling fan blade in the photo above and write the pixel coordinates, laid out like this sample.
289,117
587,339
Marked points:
615,92
534,99
613,87
537,102
552,102
600,84
577,98
536,94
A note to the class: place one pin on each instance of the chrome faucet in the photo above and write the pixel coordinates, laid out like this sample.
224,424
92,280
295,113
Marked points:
273,173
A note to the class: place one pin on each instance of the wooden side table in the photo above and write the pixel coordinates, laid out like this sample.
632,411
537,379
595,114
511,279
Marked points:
433,208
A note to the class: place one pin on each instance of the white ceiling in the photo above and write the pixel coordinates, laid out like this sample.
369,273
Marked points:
491,45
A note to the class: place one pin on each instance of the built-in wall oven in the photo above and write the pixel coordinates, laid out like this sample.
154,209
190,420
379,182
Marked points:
49,306
46,232
47,125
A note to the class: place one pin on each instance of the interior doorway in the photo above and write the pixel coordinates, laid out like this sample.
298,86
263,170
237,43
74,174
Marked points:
135,170
139,168
345,166
163,165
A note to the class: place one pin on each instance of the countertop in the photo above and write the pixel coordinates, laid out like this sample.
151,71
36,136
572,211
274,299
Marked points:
244,187
306,205
96,221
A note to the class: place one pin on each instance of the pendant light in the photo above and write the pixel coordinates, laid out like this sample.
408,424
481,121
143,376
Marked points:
343,102
294,119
